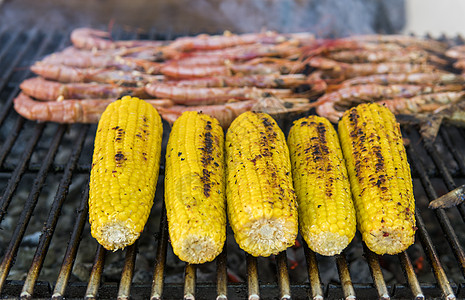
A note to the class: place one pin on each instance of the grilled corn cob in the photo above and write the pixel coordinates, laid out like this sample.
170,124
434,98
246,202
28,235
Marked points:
194,188
261,200
380,178
124,171
326,210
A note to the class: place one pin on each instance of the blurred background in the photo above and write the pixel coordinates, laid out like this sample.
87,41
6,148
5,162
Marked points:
331,18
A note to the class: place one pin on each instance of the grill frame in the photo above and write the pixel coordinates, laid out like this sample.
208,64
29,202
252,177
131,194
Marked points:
32,45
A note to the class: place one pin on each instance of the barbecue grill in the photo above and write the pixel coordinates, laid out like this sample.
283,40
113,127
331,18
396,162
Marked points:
44,171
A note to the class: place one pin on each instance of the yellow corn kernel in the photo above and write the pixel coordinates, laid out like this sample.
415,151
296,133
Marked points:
326,211
124,171
261,200
380,178
194,188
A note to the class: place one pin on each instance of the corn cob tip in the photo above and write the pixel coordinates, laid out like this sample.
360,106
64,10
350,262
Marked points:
197,249
116,235
389,240
265,237
327,243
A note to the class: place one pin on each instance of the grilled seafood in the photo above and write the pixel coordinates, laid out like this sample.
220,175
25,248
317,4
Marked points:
239,53
345,70
427,103
407,78
373,92
87,38
69,74
46,90
257,66
403,40
377,56
69,111
225,113
213,42
456,52
260,81
207,96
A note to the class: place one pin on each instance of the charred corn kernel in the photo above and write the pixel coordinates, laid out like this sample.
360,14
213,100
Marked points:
380,178
261,200
124,171
194,188
326,211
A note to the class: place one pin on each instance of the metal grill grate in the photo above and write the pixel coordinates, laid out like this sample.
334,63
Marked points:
44,170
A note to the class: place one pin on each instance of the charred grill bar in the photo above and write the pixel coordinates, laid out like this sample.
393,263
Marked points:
42,158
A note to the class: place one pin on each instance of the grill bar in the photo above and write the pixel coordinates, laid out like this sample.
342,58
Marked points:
71,250
344,275
190,275
128,272
222,276
441,214
54,214
411,277
19,171
157,284
29,206
313,273
252,276
459,159
313,289
376,273
96,274
10,141
283,276
433,258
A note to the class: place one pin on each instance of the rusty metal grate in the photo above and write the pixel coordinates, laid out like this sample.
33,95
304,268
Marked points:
44,168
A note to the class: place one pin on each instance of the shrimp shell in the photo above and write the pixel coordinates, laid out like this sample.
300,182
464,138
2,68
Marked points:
260,81
205,96
407,78
69,111
225,113
46,90
70,74
87,38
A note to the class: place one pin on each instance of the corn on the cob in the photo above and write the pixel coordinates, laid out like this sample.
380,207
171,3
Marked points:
124,171
380,178
326,210
261,200
194,188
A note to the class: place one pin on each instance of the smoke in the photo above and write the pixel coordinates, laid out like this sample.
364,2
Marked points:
331,18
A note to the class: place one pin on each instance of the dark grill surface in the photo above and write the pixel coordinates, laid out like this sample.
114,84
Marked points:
47,251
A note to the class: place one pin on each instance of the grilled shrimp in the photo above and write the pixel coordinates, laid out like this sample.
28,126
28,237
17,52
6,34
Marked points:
46,90
86,59
403,40
353,70
87,38
207,96
397,104
456,52
225,113
69,74
69,111
377,56
373,92
429,103
214,42
407,78
258,66
239,53
260,81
